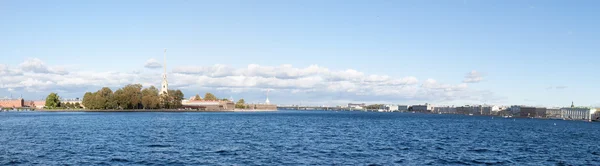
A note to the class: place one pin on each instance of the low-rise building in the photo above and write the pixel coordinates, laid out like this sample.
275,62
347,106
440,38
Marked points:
553,113
12,103
478,110
422,108
577,113
390,108
357,106
533,112
444,110
403,108
208,105
515,109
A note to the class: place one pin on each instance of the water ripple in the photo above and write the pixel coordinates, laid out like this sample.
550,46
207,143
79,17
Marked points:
291,138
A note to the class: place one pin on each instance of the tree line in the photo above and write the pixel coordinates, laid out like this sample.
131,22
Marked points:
132,96
53,102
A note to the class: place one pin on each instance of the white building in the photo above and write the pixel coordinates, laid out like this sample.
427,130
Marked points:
445,110
390,108
553,113
357,106
577,113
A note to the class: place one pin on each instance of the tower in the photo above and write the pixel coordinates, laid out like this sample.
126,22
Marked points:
267,101
164,89
572,104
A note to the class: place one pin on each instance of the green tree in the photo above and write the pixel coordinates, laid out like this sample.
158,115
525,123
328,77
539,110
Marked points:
87,99
119,99
150,98
210,96
240,104
105,95
197,97
132,96
52,101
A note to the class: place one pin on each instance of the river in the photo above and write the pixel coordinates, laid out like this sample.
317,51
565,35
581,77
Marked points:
291,138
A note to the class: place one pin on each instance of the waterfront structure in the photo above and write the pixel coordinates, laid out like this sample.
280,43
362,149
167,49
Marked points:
390,108
164,88
533,112
422,108
403,108
577,113
208,105
357,106
515,109
12,103
444,110
553,113
596,116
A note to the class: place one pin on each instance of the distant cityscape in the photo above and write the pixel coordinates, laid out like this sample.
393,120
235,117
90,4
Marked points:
515,111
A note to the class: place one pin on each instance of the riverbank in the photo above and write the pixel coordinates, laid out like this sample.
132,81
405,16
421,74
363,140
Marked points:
150,110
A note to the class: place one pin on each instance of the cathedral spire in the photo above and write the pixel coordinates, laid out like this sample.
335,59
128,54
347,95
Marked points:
572,104
164,89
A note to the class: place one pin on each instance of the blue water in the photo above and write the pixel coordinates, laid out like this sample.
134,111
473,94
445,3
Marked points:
292,138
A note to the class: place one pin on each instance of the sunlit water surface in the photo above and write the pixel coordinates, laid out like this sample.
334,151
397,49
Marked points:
292,138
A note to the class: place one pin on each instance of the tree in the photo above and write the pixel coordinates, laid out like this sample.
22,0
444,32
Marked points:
87,99
210,96
240,104
197,97
150,98
52,101
132,96
118,100
105,95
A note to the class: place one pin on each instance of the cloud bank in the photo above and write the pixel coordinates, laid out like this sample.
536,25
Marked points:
291,85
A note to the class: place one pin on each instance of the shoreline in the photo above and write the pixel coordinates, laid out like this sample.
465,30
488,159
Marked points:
157,110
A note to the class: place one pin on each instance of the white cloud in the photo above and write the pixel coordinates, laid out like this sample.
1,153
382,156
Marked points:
36,65
473,77
152,64
312,84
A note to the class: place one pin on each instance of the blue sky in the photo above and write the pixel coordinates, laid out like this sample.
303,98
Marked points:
523,52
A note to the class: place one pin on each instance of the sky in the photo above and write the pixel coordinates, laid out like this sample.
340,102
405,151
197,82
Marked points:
309,52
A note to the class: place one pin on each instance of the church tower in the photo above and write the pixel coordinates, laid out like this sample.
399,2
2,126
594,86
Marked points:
164,89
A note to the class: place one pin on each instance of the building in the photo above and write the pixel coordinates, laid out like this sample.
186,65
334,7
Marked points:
12,103
515,109
532,112
357,106
403,108
578,113
208,105
478,110
596,116
261,107
422,108
390,108
444,110
164,89
553,113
